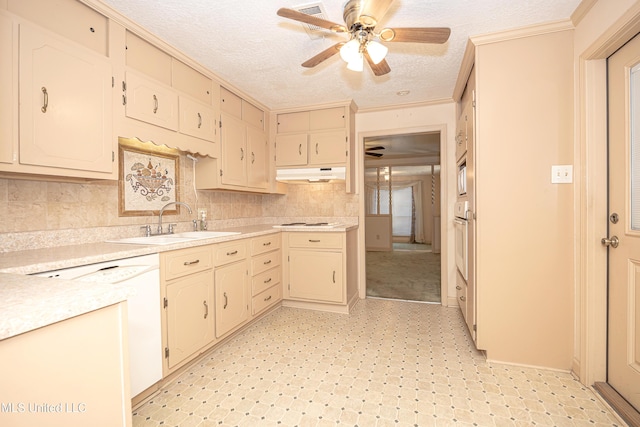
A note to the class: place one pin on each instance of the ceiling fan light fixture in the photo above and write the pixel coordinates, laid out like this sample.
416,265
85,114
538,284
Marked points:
357,63
377,51
350,50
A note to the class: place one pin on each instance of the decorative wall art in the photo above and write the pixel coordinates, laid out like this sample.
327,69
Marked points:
148,181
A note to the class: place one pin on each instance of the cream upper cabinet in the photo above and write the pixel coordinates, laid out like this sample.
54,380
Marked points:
234,151
293,122
151,101
291,150
257,150
197,119
252,115
327,148
327,118
192,82
65,104
313,138
230,103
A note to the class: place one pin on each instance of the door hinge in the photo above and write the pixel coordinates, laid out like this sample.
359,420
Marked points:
475,327
166,352
220,172
165,303
113,156
124,93
220,124
113,81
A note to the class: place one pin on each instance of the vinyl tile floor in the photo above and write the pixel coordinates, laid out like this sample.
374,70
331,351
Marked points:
388,363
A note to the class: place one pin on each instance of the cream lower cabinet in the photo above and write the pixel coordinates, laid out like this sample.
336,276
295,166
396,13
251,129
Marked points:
231,286
78,366
188,304
266,272
316,269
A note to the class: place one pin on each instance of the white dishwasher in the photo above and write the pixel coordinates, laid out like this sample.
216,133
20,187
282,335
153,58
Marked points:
145,341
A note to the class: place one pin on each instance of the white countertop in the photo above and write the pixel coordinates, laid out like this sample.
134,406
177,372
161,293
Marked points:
30,302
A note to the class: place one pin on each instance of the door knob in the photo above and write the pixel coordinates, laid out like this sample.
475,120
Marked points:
613,241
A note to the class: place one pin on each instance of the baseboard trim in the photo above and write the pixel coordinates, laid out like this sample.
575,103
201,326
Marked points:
627,412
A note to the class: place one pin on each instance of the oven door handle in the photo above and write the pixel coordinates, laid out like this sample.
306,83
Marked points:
460,221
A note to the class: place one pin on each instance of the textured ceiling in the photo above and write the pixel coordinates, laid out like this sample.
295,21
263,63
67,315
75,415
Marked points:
245,43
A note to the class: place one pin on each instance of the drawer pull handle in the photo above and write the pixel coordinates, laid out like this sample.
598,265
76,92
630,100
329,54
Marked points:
199,121
45,104
191,262
206,309
266,244
226,300
458,287
268,280
267,298
334,276
241,153
316,148
253,157
155,104
232,253
267,262
300,149
314,241
462,298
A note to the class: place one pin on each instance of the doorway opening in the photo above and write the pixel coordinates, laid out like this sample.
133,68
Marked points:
402,217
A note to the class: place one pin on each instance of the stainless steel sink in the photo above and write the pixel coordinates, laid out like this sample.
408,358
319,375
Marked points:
168,239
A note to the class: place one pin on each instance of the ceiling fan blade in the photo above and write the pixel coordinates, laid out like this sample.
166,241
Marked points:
379,69
377,147
322,56
311,20
374,154
416,35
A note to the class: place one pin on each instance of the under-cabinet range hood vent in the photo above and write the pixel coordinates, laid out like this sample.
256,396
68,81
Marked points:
311,174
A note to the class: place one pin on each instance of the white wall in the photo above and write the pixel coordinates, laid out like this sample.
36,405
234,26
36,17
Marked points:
436,117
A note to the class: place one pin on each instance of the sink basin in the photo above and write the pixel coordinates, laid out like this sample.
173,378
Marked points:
206,234
152,240
168,239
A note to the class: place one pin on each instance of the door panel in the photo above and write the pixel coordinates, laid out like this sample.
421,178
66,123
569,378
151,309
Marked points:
623,366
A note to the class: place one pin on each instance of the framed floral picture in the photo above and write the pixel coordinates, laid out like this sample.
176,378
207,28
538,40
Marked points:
148,181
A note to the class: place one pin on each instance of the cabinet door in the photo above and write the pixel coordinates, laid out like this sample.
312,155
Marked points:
197,119
252,115
190,315
291,150
234,151
293,122
151,102
316,275
8,91
328,118
230,103
328,148
192,82
65,104
232,297
257,150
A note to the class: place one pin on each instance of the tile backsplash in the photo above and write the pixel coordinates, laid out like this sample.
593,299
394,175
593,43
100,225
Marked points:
46,214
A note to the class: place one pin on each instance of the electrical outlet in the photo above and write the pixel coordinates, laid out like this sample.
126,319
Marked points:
201,213
561,174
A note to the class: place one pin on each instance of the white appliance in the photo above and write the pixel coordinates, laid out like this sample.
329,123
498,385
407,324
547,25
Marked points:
312,174
461,227
145,339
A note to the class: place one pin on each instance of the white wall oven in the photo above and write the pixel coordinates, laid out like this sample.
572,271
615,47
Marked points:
461,227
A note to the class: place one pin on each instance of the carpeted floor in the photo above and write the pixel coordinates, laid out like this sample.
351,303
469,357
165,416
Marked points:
405,275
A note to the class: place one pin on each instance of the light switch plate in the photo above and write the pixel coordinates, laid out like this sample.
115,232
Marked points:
561,174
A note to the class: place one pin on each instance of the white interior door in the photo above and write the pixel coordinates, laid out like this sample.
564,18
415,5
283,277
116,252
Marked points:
623,365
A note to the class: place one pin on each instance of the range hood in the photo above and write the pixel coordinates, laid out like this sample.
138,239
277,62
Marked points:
311,174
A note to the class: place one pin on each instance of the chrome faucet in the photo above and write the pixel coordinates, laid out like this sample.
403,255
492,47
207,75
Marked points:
162,211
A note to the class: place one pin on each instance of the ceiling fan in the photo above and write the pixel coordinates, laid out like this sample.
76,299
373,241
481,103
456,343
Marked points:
370,151
361,18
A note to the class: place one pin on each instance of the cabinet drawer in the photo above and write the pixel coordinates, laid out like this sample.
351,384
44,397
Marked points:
197,119
316,240
229,252
266,299
291,150
461,294
151,102
260,245
186,261
265,262
265,280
